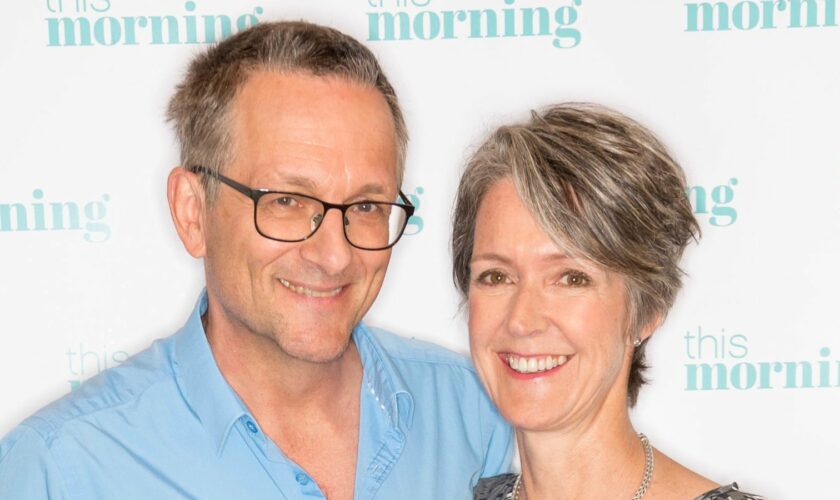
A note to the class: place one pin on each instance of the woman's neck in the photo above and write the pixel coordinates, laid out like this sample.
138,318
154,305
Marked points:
603,458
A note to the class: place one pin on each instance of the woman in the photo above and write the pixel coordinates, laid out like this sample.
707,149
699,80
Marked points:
567,235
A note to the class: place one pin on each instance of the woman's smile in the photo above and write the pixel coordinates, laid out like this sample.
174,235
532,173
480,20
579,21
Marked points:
532,366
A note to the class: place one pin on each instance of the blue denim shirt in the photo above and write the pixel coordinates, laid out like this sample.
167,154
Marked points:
165,424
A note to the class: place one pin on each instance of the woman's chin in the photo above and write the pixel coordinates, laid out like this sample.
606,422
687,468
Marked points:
532,415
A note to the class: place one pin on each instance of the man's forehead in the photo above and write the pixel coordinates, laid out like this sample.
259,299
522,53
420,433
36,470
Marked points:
306,130
304,106
303,90
318,184
306,113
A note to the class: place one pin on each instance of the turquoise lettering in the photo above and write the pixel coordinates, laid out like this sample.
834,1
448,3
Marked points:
707,380
130,31
743,376
6,217
510,19
426,30
59,210
387,23
791,378
192,30
70,28
95,211
796,13
490,30
449,22
528,21
109,36
565,17
245,21
171,30
742,21
714,17
211,33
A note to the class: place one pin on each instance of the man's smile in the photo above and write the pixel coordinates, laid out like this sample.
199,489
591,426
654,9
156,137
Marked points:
311,292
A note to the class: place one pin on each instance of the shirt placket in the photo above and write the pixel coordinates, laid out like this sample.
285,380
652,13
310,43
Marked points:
383,447
291,480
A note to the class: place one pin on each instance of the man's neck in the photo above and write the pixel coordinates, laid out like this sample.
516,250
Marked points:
272,384
309,410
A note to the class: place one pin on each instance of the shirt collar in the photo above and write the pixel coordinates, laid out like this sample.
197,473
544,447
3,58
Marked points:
204,388
218,407
383,381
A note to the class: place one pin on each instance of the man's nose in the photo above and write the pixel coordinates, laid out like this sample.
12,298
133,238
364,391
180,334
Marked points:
328,248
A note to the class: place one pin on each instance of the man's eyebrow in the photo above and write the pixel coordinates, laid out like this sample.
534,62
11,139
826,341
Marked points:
371,188
290,180
307,184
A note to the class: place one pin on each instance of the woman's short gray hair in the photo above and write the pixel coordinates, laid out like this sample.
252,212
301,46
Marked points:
200,107
604,188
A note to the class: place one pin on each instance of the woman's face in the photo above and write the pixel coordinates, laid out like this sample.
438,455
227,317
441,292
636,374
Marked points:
548,332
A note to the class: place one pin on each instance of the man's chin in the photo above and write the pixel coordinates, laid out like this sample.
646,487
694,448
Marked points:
312,352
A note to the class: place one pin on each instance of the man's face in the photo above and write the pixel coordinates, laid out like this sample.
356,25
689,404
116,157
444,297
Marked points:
324,137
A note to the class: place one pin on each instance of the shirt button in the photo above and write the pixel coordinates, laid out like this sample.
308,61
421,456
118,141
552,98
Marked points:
302,478
251,426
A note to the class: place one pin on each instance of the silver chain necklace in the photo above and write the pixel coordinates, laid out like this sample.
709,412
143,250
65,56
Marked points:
517,486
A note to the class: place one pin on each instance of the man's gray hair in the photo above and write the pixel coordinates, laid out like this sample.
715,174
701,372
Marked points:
604,188
200,107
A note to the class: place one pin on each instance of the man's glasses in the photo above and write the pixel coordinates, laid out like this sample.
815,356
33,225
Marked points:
292,217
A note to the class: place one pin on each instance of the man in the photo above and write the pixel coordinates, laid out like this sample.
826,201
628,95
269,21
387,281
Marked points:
292,150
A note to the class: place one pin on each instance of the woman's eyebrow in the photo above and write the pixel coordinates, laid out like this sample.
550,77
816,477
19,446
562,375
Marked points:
491,256
552,257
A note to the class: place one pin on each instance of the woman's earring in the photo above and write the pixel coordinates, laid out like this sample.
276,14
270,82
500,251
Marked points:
637,342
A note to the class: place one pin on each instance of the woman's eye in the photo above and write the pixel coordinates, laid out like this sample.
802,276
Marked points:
575,279
492,278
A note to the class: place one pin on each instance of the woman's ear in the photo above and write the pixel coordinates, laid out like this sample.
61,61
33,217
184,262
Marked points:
650,327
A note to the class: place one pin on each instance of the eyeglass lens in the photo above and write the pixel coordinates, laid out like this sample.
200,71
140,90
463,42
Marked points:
292,217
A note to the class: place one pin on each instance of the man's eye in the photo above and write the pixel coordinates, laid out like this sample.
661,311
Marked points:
285,201
367,208
492,278
575,279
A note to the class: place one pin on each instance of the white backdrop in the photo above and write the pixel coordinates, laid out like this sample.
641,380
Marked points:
746,370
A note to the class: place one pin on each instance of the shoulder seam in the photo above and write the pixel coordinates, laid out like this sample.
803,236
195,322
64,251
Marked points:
435,354
457,363
55,427
48,451
16,442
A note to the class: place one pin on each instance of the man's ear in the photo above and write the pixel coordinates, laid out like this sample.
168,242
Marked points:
186,205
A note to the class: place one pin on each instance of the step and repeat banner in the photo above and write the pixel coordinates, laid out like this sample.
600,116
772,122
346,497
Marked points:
746,370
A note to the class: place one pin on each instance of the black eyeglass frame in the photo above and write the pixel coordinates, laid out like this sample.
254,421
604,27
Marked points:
256,194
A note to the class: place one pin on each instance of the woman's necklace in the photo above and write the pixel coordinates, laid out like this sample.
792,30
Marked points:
648,468
517,486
